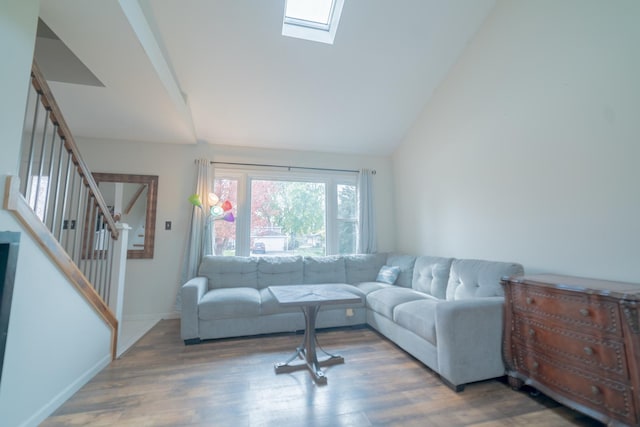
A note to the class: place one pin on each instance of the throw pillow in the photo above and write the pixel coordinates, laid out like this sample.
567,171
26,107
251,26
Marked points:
388,274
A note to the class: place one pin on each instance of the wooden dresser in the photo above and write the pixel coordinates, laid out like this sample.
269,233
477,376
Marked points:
576,340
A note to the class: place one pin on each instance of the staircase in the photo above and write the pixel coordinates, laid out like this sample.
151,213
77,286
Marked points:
57,200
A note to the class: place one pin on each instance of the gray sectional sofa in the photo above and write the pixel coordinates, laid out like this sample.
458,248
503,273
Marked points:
445,312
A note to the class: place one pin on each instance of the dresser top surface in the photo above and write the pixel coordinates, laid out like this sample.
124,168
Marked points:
581,284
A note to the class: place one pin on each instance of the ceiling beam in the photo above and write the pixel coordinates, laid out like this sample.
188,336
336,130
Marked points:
140,25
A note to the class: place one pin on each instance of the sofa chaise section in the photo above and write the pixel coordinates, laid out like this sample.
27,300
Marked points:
451,318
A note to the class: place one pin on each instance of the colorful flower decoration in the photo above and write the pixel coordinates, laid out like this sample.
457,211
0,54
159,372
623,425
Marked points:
219,210
194,199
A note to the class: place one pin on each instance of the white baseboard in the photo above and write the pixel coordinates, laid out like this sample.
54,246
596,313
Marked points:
172,315
65,394
137,317
151,316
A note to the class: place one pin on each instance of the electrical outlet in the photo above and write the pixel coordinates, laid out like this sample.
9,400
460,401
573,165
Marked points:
167,225
349,312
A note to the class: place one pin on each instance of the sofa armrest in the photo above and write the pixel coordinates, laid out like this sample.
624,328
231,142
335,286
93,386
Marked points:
191,294
469,337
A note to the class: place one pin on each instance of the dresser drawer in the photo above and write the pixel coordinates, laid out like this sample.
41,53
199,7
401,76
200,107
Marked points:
573,310
594,354
601,394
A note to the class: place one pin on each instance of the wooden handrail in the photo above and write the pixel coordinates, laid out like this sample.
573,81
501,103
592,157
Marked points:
94,281
40,84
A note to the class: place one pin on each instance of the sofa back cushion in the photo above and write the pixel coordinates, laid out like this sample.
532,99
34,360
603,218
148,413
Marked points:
285,270
229,271
470,278
324,269
431,275
363,268
406,263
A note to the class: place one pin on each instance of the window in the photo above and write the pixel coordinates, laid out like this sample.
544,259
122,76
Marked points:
347,218
312,13
286,214
315,20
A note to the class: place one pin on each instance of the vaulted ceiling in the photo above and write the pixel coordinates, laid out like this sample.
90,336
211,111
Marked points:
219,71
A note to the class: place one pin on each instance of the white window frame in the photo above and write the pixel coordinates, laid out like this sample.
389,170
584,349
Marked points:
243,217
314,31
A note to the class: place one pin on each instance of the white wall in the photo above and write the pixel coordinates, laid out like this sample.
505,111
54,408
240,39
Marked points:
152,284
55,342
529,150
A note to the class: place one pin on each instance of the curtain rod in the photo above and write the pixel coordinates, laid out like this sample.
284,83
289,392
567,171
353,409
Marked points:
373,172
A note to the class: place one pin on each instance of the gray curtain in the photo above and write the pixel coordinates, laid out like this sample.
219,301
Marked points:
199,240
366,218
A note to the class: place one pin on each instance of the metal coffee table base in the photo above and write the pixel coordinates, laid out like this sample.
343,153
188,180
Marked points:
307,350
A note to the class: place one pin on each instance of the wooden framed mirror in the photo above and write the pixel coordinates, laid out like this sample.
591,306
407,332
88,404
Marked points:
132,200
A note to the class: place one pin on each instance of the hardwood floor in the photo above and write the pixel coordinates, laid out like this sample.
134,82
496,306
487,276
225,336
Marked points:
162,382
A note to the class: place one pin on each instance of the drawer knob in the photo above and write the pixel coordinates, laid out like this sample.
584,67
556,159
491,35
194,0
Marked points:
595,390
584,312
588,350
531,332
529,300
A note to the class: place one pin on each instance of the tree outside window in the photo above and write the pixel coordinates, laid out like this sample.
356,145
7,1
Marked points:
347,218
288,217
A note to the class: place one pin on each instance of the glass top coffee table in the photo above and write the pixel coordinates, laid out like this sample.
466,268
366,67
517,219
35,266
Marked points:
309,298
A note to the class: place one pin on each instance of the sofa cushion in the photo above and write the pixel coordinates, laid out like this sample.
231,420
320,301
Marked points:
280,271
383,301
326,269
406,263
229,303
363,268
431,275
470,278
229,272
419,317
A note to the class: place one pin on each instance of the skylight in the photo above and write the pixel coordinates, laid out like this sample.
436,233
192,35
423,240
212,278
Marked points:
315,20
314,12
